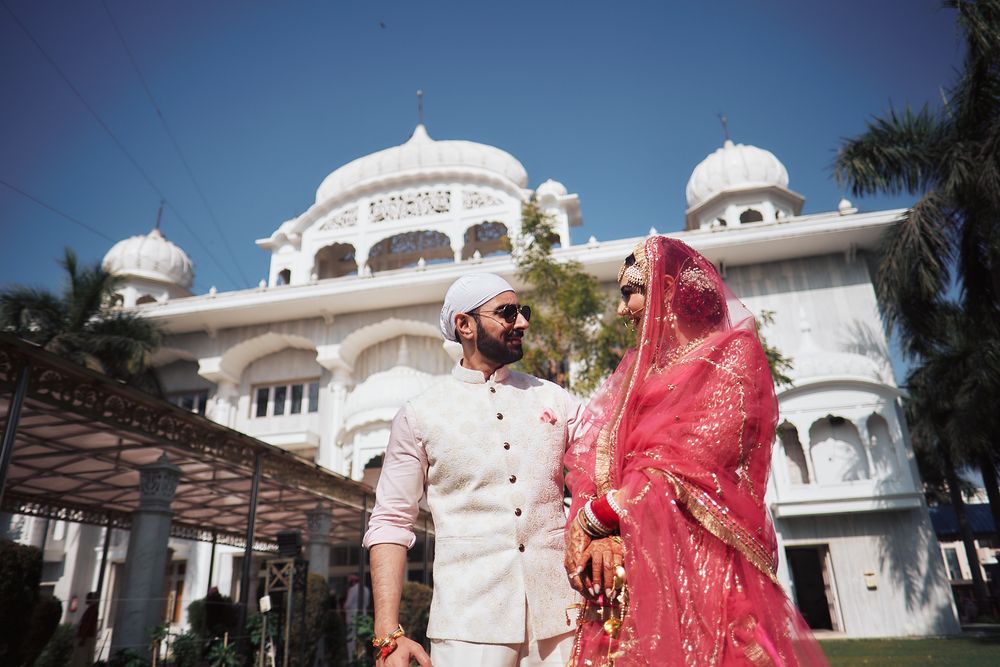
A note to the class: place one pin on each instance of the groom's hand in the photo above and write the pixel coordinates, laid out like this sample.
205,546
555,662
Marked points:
406,649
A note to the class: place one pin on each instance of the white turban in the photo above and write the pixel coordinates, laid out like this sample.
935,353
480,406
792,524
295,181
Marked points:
468,293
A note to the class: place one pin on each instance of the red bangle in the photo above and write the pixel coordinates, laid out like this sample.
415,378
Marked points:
602,510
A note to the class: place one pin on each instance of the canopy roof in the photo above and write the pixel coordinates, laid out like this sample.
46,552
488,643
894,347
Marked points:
82,437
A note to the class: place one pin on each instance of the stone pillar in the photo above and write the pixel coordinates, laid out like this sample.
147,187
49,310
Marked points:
140,595
320,521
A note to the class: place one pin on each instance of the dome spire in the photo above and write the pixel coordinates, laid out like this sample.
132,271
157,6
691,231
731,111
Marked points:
159,215
420,106
725,128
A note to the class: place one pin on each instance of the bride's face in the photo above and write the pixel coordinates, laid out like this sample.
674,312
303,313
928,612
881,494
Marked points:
633,302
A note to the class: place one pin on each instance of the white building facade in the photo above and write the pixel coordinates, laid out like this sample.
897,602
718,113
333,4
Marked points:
319,358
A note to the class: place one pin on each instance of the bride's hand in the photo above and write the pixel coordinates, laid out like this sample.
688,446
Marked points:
574,561
605,555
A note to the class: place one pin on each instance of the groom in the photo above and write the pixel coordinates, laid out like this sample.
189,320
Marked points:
485,446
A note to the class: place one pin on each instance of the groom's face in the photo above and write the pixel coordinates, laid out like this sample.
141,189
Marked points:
496,339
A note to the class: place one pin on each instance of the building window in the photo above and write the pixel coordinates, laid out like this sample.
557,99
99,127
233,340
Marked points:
192,401
286,399
284,277
750,215
952,563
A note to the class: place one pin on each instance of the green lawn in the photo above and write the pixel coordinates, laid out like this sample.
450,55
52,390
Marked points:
960,652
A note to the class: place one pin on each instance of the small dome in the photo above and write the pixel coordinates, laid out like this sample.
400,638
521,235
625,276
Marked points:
734,167
421,152
150,256
384,392
551,188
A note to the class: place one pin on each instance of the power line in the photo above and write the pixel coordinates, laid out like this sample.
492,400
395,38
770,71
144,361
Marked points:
121,146
56,211
174,143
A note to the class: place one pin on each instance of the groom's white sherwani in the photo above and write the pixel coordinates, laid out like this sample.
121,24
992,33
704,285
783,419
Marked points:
488,455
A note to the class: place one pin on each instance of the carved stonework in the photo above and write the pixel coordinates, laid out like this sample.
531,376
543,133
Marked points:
346,218
477,199
158,484
409,205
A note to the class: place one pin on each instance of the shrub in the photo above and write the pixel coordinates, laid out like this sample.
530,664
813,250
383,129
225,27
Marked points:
58,652
187,649
44,621
414,610
213,616
20,571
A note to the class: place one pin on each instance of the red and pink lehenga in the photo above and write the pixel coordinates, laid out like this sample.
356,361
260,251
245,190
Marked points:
683,431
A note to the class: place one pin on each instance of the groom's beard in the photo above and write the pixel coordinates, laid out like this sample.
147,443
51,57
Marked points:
498,349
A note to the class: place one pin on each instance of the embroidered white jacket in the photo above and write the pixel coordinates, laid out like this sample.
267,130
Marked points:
488,455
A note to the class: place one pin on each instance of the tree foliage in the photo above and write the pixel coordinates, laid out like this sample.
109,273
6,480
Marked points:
567,307
82,325
779,364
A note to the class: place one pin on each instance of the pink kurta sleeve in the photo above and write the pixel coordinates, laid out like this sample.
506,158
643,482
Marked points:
400,487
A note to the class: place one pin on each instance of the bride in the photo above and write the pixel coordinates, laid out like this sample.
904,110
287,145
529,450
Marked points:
668,537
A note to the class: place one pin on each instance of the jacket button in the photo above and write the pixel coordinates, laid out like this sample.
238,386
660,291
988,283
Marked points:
499,416
493,390
513,478
520,547
506,445
517,511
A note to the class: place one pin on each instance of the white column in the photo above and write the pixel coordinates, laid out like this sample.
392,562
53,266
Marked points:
222,405
332,408
140,602
320,521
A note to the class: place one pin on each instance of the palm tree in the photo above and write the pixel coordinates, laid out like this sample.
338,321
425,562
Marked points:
951,159
947,244
947,424
83,326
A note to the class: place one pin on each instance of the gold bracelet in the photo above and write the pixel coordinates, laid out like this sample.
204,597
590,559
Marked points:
386,645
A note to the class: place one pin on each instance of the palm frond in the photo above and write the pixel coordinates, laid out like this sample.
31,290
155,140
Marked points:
913,269
898,153
30,313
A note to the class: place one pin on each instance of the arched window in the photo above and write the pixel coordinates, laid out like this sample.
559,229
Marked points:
334,261
284,277
750,215
795,458
837,454
489,238
406,249
144,299
880,443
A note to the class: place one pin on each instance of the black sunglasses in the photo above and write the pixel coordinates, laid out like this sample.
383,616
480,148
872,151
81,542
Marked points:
508,312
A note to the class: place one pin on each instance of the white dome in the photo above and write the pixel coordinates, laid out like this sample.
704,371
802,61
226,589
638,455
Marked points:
551,188
734,167
385,391
421,152
150,256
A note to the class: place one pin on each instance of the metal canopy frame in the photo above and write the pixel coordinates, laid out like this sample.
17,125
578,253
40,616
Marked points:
82,436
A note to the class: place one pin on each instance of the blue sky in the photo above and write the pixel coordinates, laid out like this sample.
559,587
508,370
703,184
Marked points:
619,101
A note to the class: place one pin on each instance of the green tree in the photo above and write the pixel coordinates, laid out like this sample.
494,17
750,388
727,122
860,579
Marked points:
82,325
567,306
779,364
945,252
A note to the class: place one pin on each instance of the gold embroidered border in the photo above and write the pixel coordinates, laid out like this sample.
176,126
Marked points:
701,508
